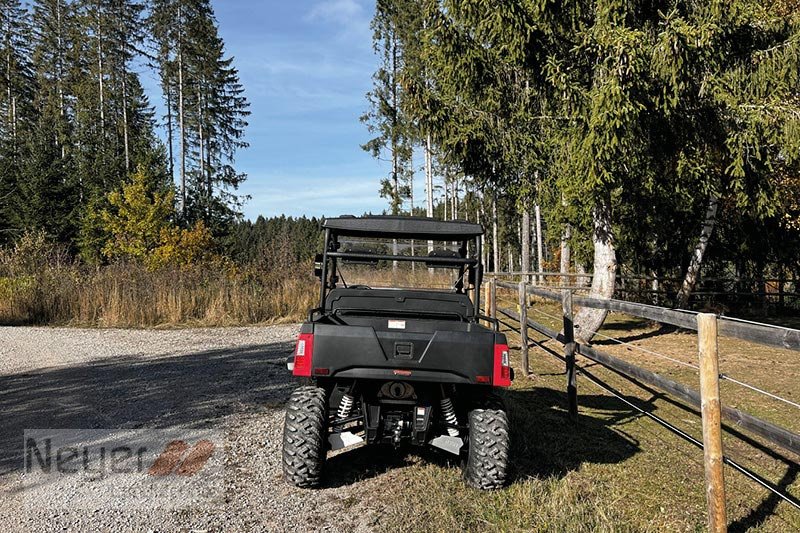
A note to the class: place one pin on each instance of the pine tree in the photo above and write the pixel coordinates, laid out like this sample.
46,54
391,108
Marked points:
17,88
385,119
113,129
53,26
44,197
218,116
206,108
623,109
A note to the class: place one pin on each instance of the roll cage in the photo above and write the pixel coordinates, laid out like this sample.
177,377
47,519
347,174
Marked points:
397,227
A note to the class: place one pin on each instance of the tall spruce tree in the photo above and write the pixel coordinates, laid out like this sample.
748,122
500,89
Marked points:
75,120
206,108
219,118
46,189
666,107
113,128
385,119
17,88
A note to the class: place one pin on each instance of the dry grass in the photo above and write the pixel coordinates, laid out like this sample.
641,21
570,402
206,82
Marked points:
41,285
614,471
403,277
617,470
132,296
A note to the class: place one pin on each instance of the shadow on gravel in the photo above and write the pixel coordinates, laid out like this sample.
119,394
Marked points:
363,463
192,390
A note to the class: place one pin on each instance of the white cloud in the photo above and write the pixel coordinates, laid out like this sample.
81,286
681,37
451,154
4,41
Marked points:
330,196
336,10
348,16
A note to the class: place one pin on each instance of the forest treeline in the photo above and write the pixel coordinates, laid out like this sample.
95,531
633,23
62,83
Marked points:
115,211
260,271
76,124
659,138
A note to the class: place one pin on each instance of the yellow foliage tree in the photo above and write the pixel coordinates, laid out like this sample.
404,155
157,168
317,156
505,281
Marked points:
137,218
140,226
183,247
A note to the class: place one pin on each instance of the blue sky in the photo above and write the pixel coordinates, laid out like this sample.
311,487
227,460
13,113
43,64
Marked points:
306,66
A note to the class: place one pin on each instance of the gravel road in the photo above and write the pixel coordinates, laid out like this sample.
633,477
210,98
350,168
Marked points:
232,380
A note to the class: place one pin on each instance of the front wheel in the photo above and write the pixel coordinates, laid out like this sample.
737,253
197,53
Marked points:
304,432
486,463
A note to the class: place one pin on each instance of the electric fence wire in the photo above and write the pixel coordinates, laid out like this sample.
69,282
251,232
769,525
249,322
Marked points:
722,376
735,482
760,391
764,483
635,347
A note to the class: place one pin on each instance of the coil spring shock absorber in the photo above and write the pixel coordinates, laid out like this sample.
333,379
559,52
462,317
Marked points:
345,406
449,415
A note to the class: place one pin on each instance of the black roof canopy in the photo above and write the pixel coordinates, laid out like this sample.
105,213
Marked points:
382,226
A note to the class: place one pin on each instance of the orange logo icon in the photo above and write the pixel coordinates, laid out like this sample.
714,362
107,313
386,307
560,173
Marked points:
174,458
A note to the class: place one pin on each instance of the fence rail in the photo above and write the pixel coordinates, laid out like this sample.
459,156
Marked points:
770,335
783,292
764,334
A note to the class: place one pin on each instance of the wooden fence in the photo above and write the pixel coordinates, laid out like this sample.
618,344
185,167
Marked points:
751,292
706,399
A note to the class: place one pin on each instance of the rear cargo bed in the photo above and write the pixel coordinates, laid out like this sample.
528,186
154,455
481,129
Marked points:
381,348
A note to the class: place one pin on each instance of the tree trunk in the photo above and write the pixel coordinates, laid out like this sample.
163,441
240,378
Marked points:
454,211
587,320
525,237
100,72
395,162
14,120
60,77
566,253
201,147
495,244
655,286
429,179
411,202
170,139
539,247
446,202
9,98
429,186
125,119
181,122
693,271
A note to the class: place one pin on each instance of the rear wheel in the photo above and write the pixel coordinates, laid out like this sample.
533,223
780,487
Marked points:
486,464
304,433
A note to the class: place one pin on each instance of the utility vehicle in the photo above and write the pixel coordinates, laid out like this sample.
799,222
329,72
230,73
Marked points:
399,365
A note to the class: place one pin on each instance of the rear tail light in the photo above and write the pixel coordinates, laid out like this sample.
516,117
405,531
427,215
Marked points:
502,366
303,354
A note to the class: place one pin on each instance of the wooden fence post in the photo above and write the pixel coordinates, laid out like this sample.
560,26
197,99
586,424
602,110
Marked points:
493,298
712,429
523,325
569,355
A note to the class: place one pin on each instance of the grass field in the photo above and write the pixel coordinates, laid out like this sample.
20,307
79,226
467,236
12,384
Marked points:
130,296
617,470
